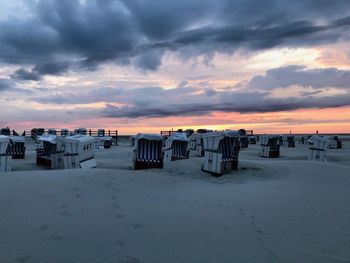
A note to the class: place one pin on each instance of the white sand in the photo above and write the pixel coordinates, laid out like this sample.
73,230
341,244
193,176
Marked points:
270,210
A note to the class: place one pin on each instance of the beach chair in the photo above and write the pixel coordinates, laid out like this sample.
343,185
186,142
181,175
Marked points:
196,143
100,132
334,142
252,139
176,148
288,141
64,132
79,152
36,133
50,151
318,147
5,131
5,158
16,147
52,131
148,151
243,138
81,131
269,146
221,150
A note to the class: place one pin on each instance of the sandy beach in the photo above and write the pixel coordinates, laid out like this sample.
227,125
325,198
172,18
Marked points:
270,210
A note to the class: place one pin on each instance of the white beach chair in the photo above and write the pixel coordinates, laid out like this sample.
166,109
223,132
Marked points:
269,146
50,151
5,131
221,150
79,152
196,143
318,147
52,131
64,132
148,151
334,142
176,148
243,138
5,158
288,141
16,147
81,131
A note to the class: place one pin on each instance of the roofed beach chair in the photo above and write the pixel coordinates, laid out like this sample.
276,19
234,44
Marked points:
79,152
318,147
269,146
252,139
176,147
50,152
52,131
196,143
5,158
100,132
16,147
335,142
81,131
221,150
64,132
243,138
148,151
36,133
5,131
288,141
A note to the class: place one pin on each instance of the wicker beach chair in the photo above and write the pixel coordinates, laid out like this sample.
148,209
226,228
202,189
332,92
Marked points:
176,148
270,146
318,147
50,151
288,141
79,152
221,150
148,151
5,158
16,147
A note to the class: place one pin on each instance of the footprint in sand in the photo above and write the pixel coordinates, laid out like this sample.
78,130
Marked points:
241,211
119,216
78,196
44,227
260,240
137,226
66,213
129,259
116,206
56,237
64,206
121,243
113,197
22,257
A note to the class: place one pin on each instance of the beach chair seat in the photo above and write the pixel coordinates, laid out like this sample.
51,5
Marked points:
79,152
317,148
269,146
50,151
221,150
148,151
16,147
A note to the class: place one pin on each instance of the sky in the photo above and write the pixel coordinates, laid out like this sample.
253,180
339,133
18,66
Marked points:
273,66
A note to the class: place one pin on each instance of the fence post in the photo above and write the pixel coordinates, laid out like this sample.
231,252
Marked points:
90,132
109,132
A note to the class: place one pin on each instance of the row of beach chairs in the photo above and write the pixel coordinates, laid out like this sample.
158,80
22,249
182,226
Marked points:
220,150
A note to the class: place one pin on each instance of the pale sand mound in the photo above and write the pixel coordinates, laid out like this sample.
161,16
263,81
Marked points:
280,210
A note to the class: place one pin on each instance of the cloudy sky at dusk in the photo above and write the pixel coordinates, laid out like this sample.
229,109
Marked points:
145,65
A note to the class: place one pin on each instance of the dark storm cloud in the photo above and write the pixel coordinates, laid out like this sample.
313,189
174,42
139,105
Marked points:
89,33
257,104
22,74
154,102
284,77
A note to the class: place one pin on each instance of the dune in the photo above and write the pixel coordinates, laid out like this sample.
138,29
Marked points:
269,210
